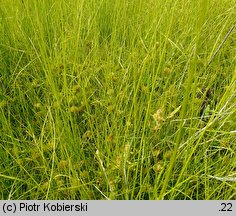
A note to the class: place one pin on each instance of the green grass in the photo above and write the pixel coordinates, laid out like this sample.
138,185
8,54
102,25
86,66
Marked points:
117,99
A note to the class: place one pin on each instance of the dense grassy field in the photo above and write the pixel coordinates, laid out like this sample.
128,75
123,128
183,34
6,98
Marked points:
125,99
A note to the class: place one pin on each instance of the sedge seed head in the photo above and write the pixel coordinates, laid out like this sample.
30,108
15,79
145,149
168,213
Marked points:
88,134
158,167
76,89
110,108
110,138
75,109
145,89
167,155
37,105
158,116
167,71
110,92
63,164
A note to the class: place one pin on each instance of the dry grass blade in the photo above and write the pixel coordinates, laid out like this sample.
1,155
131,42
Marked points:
222,43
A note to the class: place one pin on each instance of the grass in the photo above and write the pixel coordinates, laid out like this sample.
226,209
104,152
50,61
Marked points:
117,99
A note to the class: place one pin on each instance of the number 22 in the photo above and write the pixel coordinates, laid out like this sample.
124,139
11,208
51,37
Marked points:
226,206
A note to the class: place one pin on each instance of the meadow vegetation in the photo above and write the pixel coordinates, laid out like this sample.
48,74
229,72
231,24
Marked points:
125,99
